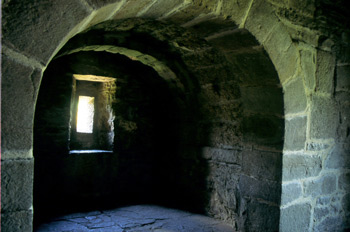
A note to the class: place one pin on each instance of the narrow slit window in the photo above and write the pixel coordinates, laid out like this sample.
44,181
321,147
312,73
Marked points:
85,114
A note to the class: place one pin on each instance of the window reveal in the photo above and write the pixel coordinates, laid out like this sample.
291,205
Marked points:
85,114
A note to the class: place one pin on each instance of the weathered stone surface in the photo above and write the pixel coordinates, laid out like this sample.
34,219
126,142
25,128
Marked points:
261,19
290,192
37,27
295,134
301,166
325,185
206,59
344,182
20,221
206,4
161,7
325,65
131,8
257,68
223,133
235,40
19,90
346,204
259,189
235,10
324,118
343,100
262,165
317,146
17,185
263,130
343,78
258,216
295,218
219,93
187,16
307,60
295,97
338,158
263,99
98,4
323,200
222,155
283,52
230,111
136,218
330,224
214,28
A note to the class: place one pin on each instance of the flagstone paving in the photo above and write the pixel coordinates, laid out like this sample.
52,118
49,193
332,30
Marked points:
140,218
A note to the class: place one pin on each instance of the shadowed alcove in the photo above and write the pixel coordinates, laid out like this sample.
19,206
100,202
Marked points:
196,131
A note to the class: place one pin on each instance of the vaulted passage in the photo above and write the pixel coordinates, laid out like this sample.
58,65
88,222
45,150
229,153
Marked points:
236,110
196,126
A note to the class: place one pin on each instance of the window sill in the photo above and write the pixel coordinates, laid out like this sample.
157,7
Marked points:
89,151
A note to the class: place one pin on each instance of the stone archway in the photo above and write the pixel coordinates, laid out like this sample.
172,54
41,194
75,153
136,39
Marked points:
298,51
229,139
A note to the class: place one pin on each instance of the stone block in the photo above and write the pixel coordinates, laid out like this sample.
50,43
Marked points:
324,118
204,60
283,52
344,182
317,146
263,130
236,40
131,8
325,65
261,18
332,223
346,204
187,16
223,155
36,28
323,200
258,216
260,189
301,166
224,134
295,97
307,60
219,93
290,192
236,10
295,134
326,184
20,221
343,100
307,7
266,99
257,68
338,158
213,28
343,78
161,7
230,111
206,4
262,165
295,218
17,185
98,4
19,90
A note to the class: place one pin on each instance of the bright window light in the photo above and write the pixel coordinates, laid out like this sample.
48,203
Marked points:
85,114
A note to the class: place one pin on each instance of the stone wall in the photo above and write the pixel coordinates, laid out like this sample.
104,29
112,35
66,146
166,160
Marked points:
307,42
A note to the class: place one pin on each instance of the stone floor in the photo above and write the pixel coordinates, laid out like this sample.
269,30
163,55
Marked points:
136,218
